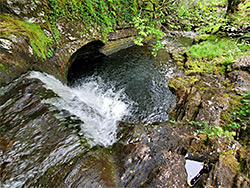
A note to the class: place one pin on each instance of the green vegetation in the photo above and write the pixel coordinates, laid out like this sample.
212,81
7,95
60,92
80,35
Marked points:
148,30
217,47
211,130
3,68
39,42
105,16
242,16
236,118
215,55
101,16
202,17
222,39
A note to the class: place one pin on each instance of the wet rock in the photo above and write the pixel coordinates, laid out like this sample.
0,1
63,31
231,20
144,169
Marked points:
38,149
243,63
241,80
189,107
172,173
15,58
156,159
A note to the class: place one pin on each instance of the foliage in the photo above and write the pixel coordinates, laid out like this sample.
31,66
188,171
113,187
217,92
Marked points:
240,22
210,48
147,30
210,17
39,42
212,130
215,55
202,17
237,117
242,16
191,3
99,15
149,21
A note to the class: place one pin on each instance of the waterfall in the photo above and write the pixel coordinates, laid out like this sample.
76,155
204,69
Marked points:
98,106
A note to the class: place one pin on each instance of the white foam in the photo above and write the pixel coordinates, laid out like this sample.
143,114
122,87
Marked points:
100,109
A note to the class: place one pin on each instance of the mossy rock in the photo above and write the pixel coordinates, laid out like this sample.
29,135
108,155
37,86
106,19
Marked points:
182,82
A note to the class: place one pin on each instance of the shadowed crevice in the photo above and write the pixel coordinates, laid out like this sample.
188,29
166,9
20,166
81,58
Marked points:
84,60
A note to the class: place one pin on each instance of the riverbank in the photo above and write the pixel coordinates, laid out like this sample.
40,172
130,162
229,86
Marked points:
210,121
213,99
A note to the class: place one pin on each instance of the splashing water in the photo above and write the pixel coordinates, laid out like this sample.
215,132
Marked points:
99,107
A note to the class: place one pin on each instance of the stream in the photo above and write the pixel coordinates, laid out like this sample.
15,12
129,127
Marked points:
57,135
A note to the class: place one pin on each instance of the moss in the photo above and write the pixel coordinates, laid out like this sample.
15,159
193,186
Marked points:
215,55
201,67
203,37
180,65
229,160
178,56
202,87
184,82
39,42
3,68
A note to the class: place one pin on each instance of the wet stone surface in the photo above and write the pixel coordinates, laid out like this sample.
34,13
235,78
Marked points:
38,149
40,146
153,157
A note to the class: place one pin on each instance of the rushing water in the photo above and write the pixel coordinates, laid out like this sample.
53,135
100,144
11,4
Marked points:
99,109
129,85
39,150
143,78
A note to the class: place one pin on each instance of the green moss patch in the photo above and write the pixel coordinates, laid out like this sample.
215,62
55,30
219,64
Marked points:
182,83
217,47
40,43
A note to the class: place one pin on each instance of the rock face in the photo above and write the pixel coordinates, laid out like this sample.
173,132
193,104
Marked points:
39,148
202,101
242,80
27,40
153,157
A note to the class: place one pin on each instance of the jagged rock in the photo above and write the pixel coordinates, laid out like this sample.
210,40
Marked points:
225,173
204,100
241,80
17,52
210,109
242,63
172,173
155,160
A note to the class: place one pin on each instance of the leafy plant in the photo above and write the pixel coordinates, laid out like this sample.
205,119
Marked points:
212,48
241,116
99,15
237,117
148,30
201,16
212,130
215,55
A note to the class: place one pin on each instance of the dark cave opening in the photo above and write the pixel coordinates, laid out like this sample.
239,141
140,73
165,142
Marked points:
84,60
